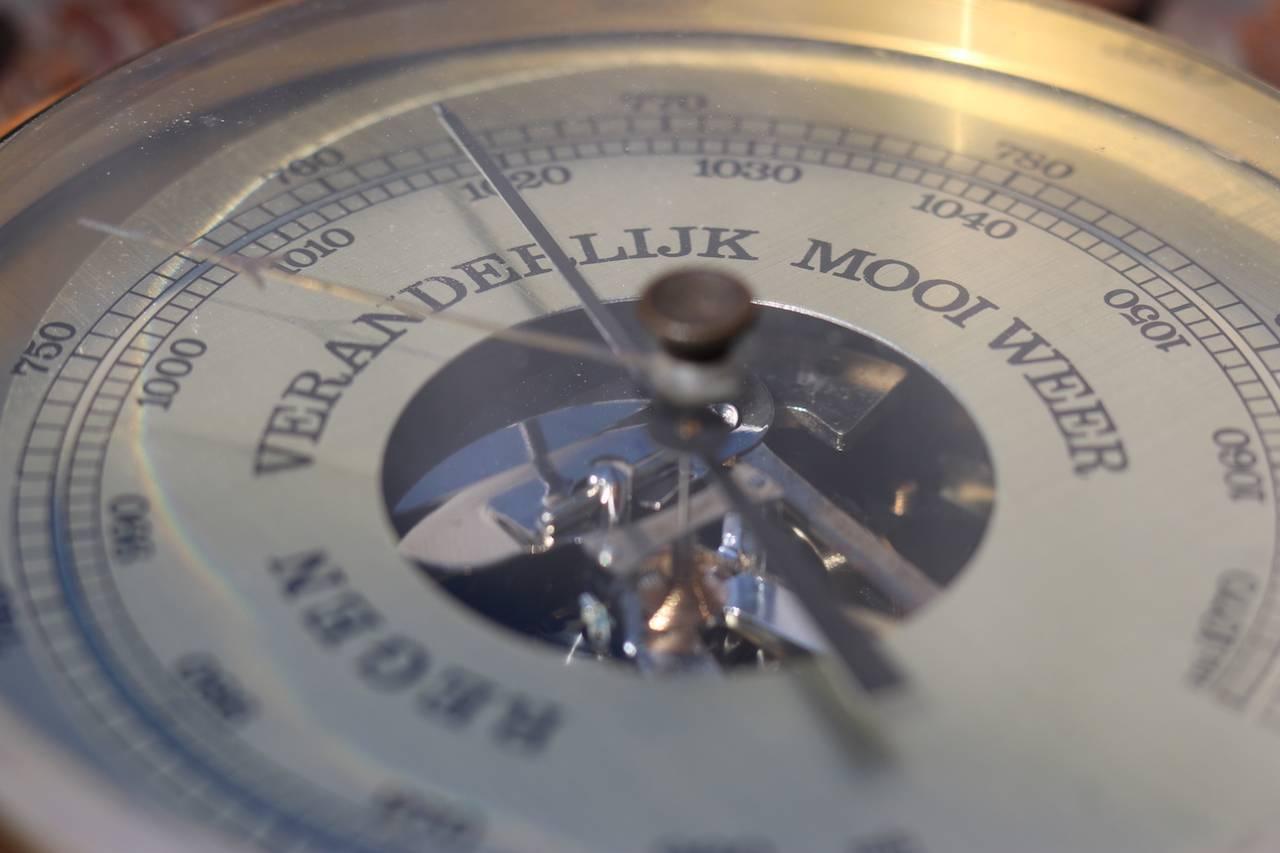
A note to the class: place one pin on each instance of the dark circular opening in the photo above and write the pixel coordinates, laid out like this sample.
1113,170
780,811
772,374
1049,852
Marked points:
873,435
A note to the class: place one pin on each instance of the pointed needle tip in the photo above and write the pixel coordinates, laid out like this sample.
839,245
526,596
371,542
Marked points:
100,226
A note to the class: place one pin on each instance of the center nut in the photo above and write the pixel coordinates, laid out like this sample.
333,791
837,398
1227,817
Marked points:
697,316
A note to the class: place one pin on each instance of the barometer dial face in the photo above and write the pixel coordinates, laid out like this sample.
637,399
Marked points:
333,523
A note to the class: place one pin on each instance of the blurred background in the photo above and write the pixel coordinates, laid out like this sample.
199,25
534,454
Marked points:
48,47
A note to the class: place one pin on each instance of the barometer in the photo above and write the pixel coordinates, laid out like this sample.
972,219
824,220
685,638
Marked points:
663,426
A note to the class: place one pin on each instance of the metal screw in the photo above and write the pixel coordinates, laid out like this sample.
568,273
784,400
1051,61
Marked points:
697,314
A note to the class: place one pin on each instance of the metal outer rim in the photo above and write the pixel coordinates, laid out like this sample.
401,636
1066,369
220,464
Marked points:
1121,64
1165,82
49,804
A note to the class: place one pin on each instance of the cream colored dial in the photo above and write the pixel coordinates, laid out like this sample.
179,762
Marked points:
232,582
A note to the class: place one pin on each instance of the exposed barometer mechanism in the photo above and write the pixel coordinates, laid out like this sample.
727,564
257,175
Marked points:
566,454
644,427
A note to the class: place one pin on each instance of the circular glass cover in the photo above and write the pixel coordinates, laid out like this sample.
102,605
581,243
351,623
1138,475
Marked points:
352,504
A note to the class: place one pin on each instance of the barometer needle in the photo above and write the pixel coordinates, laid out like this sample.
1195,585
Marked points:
863,661
613,332
259,268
